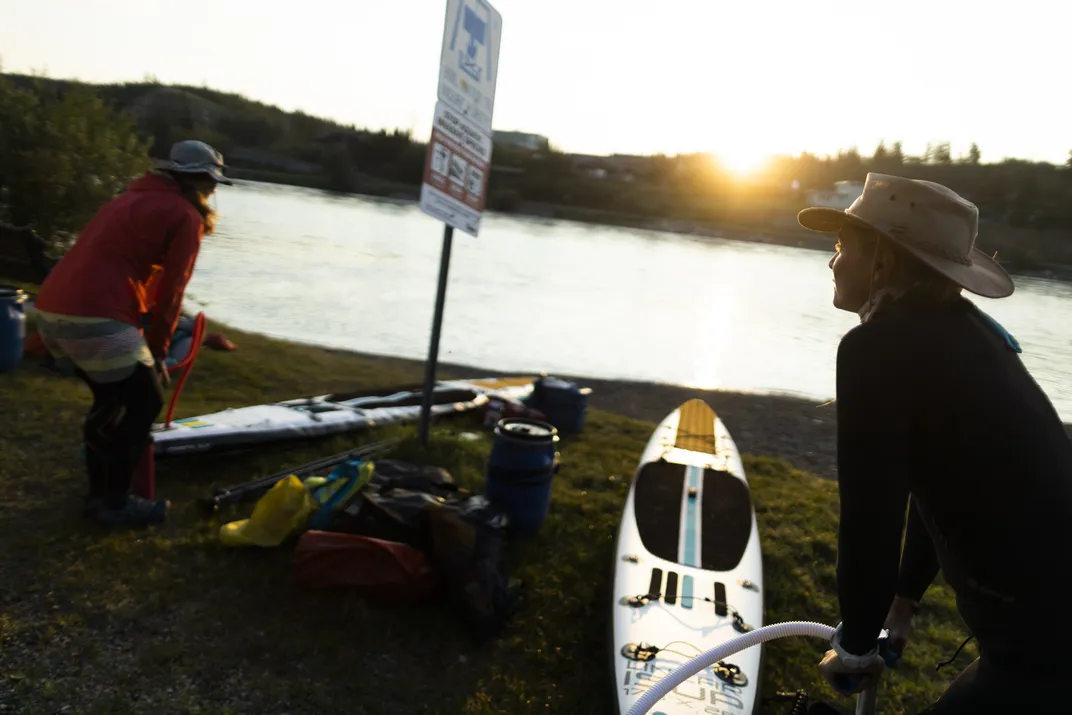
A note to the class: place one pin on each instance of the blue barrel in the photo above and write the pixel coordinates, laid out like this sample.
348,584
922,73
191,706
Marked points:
522,463
12,327
563,403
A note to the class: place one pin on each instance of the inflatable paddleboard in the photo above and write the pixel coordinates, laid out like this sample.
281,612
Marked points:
688,572
326,415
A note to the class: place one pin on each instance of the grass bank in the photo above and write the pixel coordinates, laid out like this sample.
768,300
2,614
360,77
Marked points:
169,621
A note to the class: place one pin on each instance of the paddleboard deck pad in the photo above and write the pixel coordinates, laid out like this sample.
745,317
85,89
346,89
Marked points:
327,415
688,571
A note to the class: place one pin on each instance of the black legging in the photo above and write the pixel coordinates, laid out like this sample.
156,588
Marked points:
117,429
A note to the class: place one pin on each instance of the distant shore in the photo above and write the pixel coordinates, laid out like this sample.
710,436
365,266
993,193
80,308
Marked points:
785,232
779,233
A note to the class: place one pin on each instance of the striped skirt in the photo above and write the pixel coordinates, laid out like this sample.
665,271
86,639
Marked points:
106,350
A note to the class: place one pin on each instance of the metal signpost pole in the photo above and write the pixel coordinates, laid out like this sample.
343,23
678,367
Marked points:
458,159
437,323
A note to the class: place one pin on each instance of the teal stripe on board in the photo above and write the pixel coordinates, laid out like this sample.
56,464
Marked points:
686,592
691,518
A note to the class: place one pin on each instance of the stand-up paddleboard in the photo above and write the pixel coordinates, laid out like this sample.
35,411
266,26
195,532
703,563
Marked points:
688,572
326,415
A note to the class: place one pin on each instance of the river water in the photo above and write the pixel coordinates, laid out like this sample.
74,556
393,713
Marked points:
531,294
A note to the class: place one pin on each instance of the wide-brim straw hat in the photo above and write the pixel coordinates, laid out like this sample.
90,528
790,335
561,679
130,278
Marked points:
930,221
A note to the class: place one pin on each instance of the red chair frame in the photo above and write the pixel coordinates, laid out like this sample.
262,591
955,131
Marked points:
185,365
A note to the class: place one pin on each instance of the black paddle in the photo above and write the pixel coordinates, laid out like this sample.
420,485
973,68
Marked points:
256,487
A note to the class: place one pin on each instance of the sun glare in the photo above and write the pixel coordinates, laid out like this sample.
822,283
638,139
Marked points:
740,161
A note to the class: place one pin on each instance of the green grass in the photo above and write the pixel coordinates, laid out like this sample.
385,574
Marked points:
167,620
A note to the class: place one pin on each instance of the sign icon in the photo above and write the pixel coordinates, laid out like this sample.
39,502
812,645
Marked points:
475,183
458,166
469,60
475,27
440,158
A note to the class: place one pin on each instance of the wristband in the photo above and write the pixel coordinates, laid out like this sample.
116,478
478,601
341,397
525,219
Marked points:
850,660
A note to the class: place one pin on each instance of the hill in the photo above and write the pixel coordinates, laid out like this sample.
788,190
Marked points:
1026,207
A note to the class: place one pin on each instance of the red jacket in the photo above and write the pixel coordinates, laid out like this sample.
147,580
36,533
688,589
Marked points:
106,272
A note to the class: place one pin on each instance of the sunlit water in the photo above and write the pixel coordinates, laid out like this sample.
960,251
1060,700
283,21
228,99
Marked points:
564,297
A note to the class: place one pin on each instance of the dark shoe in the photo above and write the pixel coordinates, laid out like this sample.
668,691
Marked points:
136,512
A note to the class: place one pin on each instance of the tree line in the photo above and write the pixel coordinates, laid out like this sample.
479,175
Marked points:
66,147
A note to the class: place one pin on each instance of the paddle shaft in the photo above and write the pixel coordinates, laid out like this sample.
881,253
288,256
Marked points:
865,701
246,490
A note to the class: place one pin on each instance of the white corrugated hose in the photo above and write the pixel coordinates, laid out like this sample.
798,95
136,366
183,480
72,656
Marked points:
720,652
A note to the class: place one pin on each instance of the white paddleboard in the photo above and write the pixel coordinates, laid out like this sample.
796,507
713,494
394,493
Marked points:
326,415
688,571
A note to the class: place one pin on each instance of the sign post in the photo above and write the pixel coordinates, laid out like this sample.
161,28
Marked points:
458,160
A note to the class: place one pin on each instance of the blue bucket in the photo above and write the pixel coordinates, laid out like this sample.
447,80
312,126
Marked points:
563,403
522,463
12,327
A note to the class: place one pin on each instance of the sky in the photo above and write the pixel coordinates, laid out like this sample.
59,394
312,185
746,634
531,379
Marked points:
742,80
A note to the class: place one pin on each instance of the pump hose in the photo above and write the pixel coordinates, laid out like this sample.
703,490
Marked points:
720,652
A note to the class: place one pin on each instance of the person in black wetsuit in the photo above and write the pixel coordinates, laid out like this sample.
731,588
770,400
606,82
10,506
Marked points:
937,416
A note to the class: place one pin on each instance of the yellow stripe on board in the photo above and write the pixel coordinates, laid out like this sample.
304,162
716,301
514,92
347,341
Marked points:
495,383
696,427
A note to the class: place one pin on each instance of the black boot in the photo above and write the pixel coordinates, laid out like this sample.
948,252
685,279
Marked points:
94,500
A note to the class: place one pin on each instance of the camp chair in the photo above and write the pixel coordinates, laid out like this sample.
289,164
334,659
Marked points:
186,364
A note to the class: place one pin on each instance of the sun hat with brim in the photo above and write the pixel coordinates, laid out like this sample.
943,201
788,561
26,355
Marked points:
194,157
930,221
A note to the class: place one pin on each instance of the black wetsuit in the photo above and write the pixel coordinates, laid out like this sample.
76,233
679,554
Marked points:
935,404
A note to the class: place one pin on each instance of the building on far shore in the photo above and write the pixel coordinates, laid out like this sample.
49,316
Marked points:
616,167
521,140
840,197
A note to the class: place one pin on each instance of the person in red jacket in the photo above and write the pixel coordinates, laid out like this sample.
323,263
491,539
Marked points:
90,311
